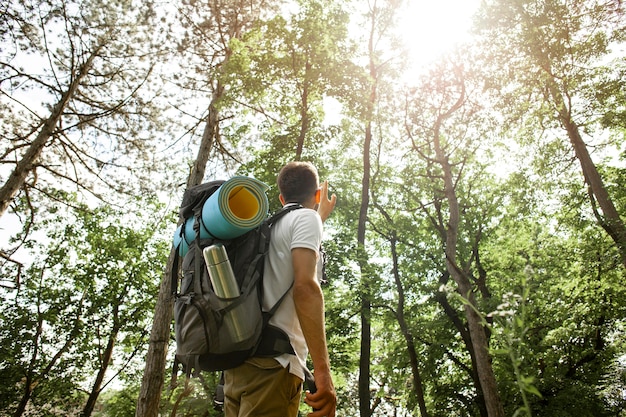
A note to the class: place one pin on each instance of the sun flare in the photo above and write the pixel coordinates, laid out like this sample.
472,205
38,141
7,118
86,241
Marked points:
430,28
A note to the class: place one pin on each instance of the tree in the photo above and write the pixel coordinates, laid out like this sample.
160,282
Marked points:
554,50
444,145
85,298
209,34
561,296
119,308
379,61
399,311
280,72
71,74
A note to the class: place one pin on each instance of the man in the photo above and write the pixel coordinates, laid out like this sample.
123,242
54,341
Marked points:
272,387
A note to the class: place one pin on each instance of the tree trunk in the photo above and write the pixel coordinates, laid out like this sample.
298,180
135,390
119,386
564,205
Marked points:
610,219
463,331
304,113
29,160
474,321
104,364
27,393
366,307
154,371
97,385
210,136
408,337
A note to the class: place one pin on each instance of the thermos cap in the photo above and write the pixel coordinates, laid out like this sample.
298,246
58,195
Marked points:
215,254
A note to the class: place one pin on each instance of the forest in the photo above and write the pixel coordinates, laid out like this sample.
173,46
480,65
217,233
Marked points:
477,252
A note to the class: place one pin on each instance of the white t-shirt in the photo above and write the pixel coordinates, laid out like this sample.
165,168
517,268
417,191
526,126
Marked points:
300,228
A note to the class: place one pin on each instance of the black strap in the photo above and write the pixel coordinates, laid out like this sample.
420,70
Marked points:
174,271
274,342
280,213
174,378
199,224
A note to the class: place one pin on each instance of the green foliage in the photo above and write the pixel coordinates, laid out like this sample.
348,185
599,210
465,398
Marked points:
90,284
528,239
555,337
283,68
118,403
192,397
511,317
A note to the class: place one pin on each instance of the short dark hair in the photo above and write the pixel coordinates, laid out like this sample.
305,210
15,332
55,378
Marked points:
298,181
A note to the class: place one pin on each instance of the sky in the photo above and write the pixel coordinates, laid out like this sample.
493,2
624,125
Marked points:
432,27
429,28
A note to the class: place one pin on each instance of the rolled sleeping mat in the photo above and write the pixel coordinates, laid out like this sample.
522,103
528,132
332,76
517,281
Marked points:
239,205
183,236
178,238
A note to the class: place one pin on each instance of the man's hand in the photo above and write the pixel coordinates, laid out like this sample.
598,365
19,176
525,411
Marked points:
324,401
326,204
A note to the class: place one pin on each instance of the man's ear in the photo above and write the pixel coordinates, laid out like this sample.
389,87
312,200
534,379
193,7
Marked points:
282,199
318,196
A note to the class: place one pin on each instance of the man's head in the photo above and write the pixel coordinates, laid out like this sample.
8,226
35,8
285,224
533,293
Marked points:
298,182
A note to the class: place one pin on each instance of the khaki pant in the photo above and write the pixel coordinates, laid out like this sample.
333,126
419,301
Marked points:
261,387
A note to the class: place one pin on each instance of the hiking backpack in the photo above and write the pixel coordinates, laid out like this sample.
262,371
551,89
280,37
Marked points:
201,318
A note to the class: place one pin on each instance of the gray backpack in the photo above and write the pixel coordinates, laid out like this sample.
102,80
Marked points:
203,321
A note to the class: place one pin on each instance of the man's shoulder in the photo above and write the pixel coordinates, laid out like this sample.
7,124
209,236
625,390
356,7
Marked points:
306,217
305,213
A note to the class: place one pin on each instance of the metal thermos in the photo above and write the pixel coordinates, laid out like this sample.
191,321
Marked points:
220,271
225,286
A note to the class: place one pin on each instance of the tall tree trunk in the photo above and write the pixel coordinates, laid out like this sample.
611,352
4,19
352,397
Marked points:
408,337
29,160
97,385
154,371
366,305
463,331
104,362
557,94
304,112
210,136
609,219
474,321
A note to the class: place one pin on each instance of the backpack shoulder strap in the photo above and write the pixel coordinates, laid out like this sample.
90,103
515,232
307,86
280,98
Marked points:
280,213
